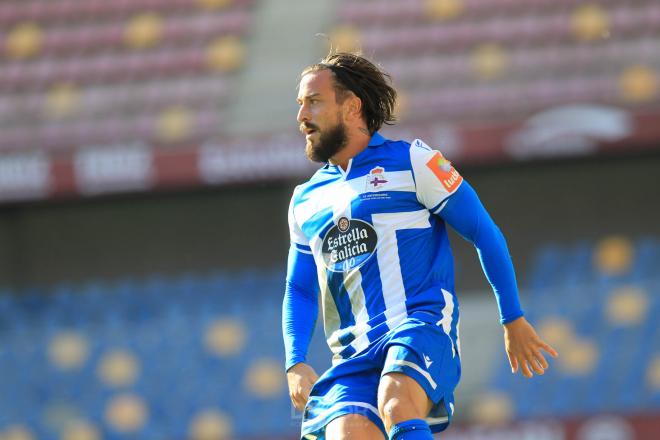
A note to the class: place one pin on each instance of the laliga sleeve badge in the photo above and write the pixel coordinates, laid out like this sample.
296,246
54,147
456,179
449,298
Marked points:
420,144
444,171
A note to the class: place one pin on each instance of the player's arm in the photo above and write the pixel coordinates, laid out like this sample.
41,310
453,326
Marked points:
464,212
299,314
442,190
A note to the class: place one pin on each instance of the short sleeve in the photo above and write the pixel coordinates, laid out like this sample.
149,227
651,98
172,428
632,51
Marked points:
296,234
435,177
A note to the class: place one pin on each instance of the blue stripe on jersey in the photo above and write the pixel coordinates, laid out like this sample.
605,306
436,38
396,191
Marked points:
347,352
320,221
393,156
341,298
303,247
378,329
346,338
397,201
371,281
418,277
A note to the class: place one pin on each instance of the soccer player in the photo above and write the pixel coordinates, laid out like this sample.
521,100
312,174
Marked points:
368,229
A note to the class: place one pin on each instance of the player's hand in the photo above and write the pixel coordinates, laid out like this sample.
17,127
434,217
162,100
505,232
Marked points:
301,377
523,347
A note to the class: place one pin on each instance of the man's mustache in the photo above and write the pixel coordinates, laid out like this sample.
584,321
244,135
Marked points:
306,126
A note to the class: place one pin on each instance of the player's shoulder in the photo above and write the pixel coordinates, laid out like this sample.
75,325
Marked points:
395,153
406,148
317,180
421,153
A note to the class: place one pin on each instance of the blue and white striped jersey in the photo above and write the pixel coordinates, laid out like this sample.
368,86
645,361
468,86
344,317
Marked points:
381,253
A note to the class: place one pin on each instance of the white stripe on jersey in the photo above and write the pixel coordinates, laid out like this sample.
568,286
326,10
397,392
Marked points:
353,285
337,194
386,225
447,316
331,320
317,201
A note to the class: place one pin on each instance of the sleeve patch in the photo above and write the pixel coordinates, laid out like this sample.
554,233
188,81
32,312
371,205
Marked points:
420,144
445,172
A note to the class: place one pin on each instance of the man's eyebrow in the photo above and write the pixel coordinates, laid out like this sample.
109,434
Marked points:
311,95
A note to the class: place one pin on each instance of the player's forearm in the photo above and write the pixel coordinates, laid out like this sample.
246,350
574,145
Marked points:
299,313
300,305
498,268
465,213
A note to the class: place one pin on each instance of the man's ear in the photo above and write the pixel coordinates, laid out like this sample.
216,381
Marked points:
354,107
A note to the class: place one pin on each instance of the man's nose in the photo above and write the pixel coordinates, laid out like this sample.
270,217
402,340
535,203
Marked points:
303,114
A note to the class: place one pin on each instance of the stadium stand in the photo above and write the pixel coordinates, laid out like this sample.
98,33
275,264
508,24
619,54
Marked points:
90,73
171,356
598,305
468,60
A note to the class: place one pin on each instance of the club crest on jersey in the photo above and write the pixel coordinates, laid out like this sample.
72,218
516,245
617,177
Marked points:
444,171
348,244
376,179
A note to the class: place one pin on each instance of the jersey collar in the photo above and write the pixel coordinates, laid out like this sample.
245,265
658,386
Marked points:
376,140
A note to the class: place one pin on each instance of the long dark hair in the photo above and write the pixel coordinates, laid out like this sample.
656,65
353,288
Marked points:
354,73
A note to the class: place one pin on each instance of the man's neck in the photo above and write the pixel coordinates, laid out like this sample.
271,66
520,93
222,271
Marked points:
358,140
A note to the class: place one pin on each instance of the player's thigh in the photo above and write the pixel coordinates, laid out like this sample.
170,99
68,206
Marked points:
401,398
352,427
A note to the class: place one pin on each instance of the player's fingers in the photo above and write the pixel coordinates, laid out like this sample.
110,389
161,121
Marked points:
525,369
299,397
538,356
295,401
513,362
536,367
548,349
304,392
301,400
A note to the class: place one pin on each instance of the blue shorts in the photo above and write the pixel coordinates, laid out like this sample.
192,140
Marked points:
417,348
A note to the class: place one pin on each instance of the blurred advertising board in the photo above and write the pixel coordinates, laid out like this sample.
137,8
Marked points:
141,166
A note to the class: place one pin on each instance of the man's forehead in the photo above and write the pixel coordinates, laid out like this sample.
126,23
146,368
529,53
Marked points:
317,82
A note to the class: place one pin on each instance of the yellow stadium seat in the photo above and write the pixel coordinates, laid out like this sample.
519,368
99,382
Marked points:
118,368
489,61
225,54
653,373
556,331
62,101
24,41
264,378
143,31
225,337
492,408
126,413
638,84
590,22
81,430
17,432
627,306
68,350
214,4
174,124
443,10
211,424
579,357
614,255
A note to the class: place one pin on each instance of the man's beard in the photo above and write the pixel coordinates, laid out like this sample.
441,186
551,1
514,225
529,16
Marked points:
330,143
